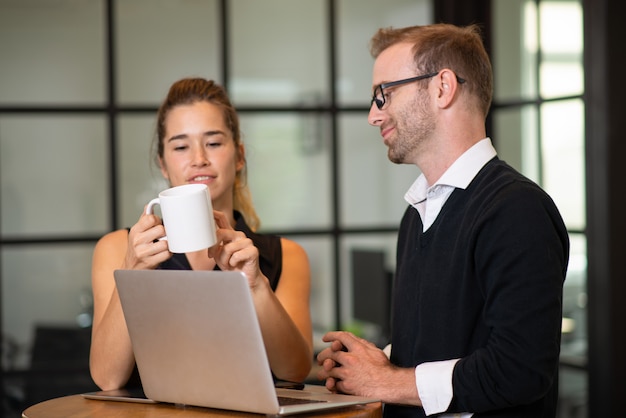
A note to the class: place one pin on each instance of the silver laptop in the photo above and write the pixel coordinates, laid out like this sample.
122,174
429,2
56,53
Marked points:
197,341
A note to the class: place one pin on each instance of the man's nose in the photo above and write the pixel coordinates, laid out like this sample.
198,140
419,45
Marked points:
374,117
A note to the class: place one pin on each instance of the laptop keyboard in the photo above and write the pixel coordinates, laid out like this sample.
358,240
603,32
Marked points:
283,401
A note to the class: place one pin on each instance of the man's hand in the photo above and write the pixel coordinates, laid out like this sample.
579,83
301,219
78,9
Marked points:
355,366
352,365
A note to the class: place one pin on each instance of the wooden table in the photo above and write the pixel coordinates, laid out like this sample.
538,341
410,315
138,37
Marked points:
75,406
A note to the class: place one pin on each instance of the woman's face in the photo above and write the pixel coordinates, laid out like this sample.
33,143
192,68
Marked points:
198,147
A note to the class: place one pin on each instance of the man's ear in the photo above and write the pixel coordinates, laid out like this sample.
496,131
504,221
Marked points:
447,85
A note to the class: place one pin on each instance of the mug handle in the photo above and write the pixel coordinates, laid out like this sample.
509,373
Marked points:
155,201
150,211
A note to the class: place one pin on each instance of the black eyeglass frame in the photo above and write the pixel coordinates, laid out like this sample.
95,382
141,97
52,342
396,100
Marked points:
380,103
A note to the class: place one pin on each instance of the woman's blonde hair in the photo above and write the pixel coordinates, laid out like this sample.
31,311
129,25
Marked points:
192,90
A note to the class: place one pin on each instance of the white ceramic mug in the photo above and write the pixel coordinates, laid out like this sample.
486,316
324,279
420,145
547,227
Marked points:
187,215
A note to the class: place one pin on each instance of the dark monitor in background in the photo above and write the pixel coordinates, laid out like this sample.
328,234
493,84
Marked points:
371,293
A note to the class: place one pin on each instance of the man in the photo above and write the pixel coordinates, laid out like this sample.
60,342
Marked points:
482,251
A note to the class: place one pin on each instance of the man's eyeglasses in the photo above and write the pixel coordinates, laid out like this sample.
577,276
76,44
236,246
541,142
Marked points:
379,94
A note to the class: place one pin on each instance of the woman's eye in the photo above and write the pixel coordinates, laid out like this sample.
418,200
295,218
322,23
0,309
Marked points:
213,144
180,147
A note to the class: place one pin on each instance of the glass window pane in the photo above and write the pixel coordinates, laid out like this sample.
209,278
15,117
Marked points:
514,53
562,133
53,173
574,382
139,178
561,48
561,79
279,52
289,169
47,284
52,52
561,27
372,188
320,253
516,139
364,288
574,341
159,42
357,22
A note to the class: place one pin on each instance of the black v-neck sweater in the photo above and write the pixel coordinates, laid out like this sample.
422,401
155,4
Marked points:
484,284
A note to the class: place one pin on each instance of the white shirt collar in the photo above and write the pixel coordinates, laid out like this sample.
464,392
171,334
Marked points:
459,175
428,201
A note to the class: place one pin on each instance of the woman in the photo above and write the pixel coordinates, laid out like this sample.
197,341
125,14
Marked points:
198,141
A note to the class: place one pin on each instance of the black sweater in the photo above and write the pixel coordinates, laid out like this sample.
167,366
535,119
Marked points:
484,284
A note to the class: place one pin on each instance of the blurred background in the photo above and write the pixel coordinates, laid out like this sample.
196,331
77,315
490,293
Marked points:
80,82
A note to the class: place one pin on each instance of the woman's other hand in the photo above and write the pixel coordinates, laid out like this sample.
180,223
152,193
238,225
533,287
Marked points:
235,251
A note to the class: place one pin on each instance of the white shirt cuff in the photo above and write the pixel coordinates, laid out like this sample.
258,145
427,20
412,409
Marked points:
387,350
434,384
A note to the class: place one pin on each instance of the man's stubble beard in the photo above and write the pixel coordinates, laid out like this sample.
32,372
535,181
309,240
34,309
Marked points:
415,124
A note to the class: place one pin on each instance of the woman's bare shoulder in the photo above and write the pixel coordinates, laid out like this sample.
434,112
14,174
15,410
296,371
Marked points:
292,249
112,242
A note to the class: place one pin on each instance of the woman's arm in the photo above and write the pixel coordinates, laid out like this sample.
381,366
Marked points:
285,316
111,359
